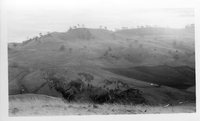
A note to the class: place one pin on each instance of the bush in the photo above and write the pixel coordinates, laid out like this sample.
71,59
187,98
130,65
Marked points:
76,90
15,44
88,77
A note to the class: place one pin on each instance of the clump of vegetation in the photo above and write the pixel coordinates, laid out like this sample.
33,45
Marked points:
60,84
15,44
40,34
70,28
27,41
75,27
128,96
77,90
88,77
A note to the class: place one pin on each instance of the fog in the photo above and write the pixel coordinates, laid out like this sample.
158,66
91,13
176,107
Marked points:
26,19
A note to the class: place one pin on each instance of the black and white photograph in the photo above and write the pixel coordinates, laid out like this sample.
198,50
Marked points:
99,58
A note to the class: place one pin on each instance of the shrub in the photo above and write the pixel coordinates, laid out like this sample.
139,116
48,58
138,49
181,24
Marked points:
88,77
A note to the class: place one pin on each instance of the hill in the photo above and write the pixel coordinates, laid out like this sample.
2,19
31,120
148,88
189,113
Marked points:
154,66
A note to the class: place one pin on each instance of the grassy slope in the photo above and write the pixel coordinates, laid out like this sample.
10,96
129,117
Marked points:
90,51
177,77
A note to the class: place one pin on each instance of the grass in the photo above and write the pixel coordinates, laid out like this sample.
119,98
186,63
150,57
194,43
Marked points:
164,75
31,104
82,55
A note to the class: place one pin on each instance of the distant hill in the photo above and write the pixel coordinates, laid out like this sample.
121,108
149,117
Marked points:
154,31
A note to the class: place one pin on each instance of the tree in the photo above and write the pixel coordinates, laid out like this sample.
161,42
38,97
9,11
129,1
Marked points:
83,26
15,44
70,28
100,27
36,38
40,34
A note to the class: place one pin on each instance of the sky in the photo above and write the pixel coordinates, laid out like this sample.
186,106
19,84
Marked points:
28,18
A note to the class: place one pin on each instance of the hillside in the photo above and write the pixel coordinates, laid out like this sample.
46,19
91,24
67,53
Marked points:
180,77
154,66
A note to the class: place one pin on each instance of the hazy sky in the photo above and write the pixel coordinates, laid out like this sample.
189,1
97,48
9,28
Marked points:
27,18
